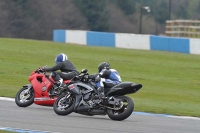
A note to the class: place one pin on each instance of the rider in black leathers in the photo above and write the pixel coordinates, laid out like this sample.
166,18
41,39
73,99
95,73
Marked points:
68,70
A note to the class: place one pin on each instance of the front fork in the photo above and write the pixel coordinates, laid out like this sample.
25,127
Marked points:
29,86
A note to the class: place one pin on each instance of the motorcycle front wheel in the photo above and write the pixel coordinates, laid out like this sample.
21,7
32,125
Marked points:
63,105
124,112
23,98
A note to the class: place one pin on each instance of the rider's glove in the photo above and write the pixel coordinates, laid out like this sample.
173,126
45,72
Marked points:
84,71
97,79
86,76
44,68
40,69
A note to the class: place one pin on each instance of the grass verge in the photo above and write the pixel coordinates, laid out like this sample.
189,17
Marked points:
171,81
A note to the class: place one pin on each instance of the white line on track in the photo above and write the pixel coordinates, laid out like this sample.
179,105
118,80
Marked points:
7,99
24,130
166,115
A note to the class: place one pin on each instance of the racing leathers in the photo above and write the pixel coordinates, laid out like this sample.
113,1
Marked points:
107,78
68,71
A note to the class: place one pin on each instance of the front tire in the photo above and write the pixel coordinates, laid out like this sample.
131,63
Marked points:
23,99
124,112
63,105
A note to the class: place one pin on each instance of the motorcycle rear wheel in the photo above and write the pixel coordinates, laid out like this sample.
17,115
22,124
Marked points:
63,105
124,112
22,99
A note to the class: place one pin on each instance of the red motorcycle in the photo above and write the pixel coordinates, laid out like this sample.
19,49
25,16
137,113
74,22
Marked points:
40,91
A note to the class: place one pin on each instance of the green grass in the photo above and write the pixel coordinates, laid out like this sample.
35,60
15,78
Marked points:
6,132
1,131
171,81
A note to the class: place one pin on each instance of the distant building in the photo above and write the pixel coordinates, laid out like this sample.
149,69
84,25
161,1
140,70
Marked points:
183,28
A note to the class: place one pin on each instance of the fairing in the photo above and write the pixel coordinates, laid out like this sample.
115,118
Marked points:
124,88
41,86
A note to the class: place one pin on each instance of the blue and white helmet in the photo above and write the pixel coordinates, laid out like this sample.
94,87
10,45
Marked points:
60,58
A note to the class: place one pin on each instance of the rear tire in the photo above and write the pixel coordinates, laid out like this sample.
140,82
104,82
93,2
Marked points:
123,113
63,106
23,100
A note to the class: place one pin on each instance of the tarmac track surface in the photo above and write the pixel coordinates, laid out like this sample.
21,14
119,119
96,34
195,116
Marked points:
42,118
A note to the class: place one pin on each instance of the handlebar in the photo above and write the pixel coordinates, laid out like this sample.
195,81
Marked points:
85,77
40,70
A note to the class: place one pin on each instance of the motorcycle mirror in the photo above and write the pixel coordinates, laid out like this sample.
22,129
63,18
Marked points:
84,71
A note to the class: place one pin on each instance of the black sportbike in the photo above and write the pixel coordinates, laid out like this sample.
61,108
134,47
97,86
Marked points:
83,98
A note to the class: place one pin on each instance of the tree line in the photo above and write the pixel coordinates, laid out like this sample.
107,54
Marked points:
37,19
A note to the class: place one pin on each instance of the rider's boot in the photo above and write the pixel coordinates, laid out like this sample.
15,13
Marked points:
101,92
61,85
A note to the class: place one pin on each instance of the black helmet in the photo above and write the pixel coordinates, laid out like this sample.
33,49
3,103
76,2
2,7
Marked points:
103,65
